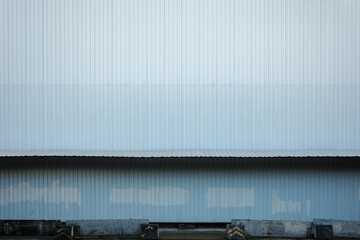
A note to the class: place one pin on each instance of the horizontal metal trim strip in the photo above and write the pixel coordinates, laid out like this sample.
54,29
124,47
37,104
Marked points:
195,153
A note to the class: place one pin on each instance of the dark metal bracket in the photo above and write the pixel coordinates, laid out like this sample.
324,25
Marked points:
64,233
149,231
323,232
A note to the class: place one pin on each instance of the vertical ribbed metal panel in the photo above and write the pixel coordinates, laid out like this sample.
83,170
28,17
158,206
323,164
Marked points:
205,191
179,74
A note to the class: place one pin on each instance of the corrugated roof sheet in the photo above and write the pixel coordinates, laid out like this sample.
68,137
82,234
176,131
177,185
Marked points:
186,153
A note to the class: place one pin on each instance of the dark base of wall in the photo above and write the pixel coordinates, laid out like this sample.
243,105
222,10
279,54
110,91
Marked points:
142,229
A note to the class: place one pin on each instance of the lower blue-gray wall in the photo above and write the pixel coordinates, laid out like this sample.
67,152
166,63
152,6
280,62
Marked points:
175,191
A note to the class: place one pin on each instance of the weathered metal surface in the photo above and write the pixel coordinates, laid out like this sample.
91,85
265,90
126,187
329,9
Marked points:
290,229
120,227
173,75
28,227
349,229
178,190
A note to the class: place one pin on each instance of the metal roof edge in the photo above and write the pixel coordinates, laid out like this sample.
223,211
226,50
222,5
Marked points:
185,153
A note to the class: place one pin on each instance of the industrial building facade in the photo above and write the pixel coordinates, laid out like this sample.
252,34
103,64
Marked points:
179,110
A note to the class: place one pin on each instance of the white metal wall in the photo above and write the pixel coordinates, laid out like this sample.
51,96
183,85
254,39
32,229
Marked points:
179,74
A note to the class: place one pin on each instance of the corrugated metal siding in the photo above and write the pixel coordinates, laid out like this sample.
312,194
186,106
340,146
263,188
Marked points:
179,74
205,191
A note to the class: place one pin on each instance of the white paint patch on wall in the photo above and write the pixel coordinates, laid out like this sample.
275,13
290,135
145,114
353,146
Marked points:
279,206
230,197
54,194
165,196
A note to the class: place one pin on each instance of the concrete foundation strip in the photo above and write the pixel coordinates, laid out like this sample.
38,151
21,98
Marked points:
318,228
